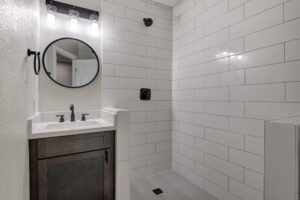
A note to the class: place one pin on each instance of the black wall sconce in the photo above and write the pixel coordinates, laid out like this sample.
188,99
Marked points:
37,59
66,8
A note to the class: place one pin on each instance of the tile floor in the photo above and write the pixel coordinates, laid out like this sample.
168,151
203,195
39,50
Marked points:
175,187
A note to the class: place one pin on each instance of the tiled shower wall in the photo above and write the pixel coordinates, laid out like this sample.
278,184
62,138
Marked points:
236,63
139,57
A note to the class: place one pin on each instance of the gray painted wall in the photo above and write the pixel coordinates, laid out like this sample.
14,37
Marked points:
18,89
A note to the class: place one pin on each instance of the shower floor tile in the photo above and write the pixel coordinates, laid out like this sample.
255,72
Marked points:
174,187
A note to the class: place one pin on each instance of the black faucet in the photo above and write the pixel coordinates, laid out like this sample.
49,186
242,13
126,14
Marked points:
72,113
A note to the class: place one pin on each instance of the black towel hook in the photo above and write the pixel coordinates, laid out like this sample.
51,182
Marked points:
36,58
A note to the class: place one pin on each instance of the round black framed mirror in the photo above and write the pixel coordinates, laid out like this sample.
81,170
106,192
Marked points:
71,63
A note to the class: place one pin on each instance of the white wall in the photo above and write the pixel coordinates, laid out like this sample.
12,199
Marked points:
137,57
220,102
18,94
52,96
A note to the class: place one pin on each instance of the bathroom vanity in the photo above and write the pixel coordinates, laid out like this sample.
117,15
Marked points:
81,159
73,167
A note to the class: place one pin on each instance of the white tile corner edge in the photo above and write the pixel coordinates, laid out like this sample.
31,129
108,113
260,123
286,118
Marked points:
123,181
32,123
122,124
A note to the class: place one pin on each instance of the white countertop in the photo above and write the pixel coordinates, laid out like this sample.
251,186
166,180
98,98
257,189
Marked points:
42,125
42,131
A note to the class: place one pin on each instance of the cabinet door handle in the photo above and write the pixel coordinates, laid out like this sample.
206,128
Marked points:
106,156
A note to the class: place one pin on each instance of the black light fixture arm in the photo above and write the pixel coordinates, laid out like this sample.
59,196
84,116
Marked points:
65,8
36,55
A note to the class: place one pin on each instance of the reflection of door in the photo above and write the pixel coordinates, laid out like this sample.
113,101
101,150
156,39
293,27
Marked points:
64,73
83,71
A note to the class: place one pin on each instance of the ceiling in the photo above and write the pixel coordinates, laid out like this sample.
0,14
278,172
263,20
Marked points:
170,3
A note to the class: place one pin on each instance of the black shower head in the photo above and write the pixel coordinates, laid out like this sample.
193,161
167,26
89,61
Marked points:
148,22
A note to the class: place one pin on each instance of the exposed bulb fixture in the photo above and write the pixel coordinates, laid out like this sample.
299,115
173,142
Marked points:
94,23
74,15
51,14
74,22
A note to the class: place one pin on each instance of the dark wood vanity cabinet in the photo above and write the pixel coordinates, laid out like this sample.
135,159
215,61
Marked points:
77,167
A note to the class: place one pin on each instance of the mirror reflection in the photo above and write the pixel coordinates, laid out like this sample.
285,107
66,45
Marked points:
70,62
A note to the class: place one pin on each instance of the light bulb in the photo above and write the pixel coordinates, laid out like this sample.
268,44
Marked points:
74,15
51,14
51,18
74,22
94,27
94,24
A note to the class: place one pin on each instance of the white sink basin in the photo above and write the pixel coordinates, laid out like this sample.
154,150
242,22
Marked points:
73,125
42,125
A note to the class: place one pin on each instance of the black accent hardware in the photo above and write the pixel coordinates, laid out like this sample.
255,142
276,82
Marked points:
36,59
145,94
49,73
106,156
83,118
65,8
148,22
30,52
157,191
61,119
72,113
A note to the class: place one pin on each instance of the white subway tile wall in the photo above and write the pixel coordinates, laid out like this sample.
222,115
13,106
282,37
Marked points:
236,63
139,57
217,69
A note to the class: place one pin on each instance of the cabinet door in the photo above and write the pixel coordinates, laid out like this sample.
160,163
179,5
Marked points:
84,176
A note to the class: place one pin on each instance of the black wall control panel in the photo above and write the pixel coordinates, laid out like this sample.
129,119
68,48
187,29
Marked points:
145,94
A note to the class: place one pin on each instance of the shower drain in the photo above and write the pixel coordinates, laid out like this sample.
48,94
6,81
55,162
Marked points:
157,191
